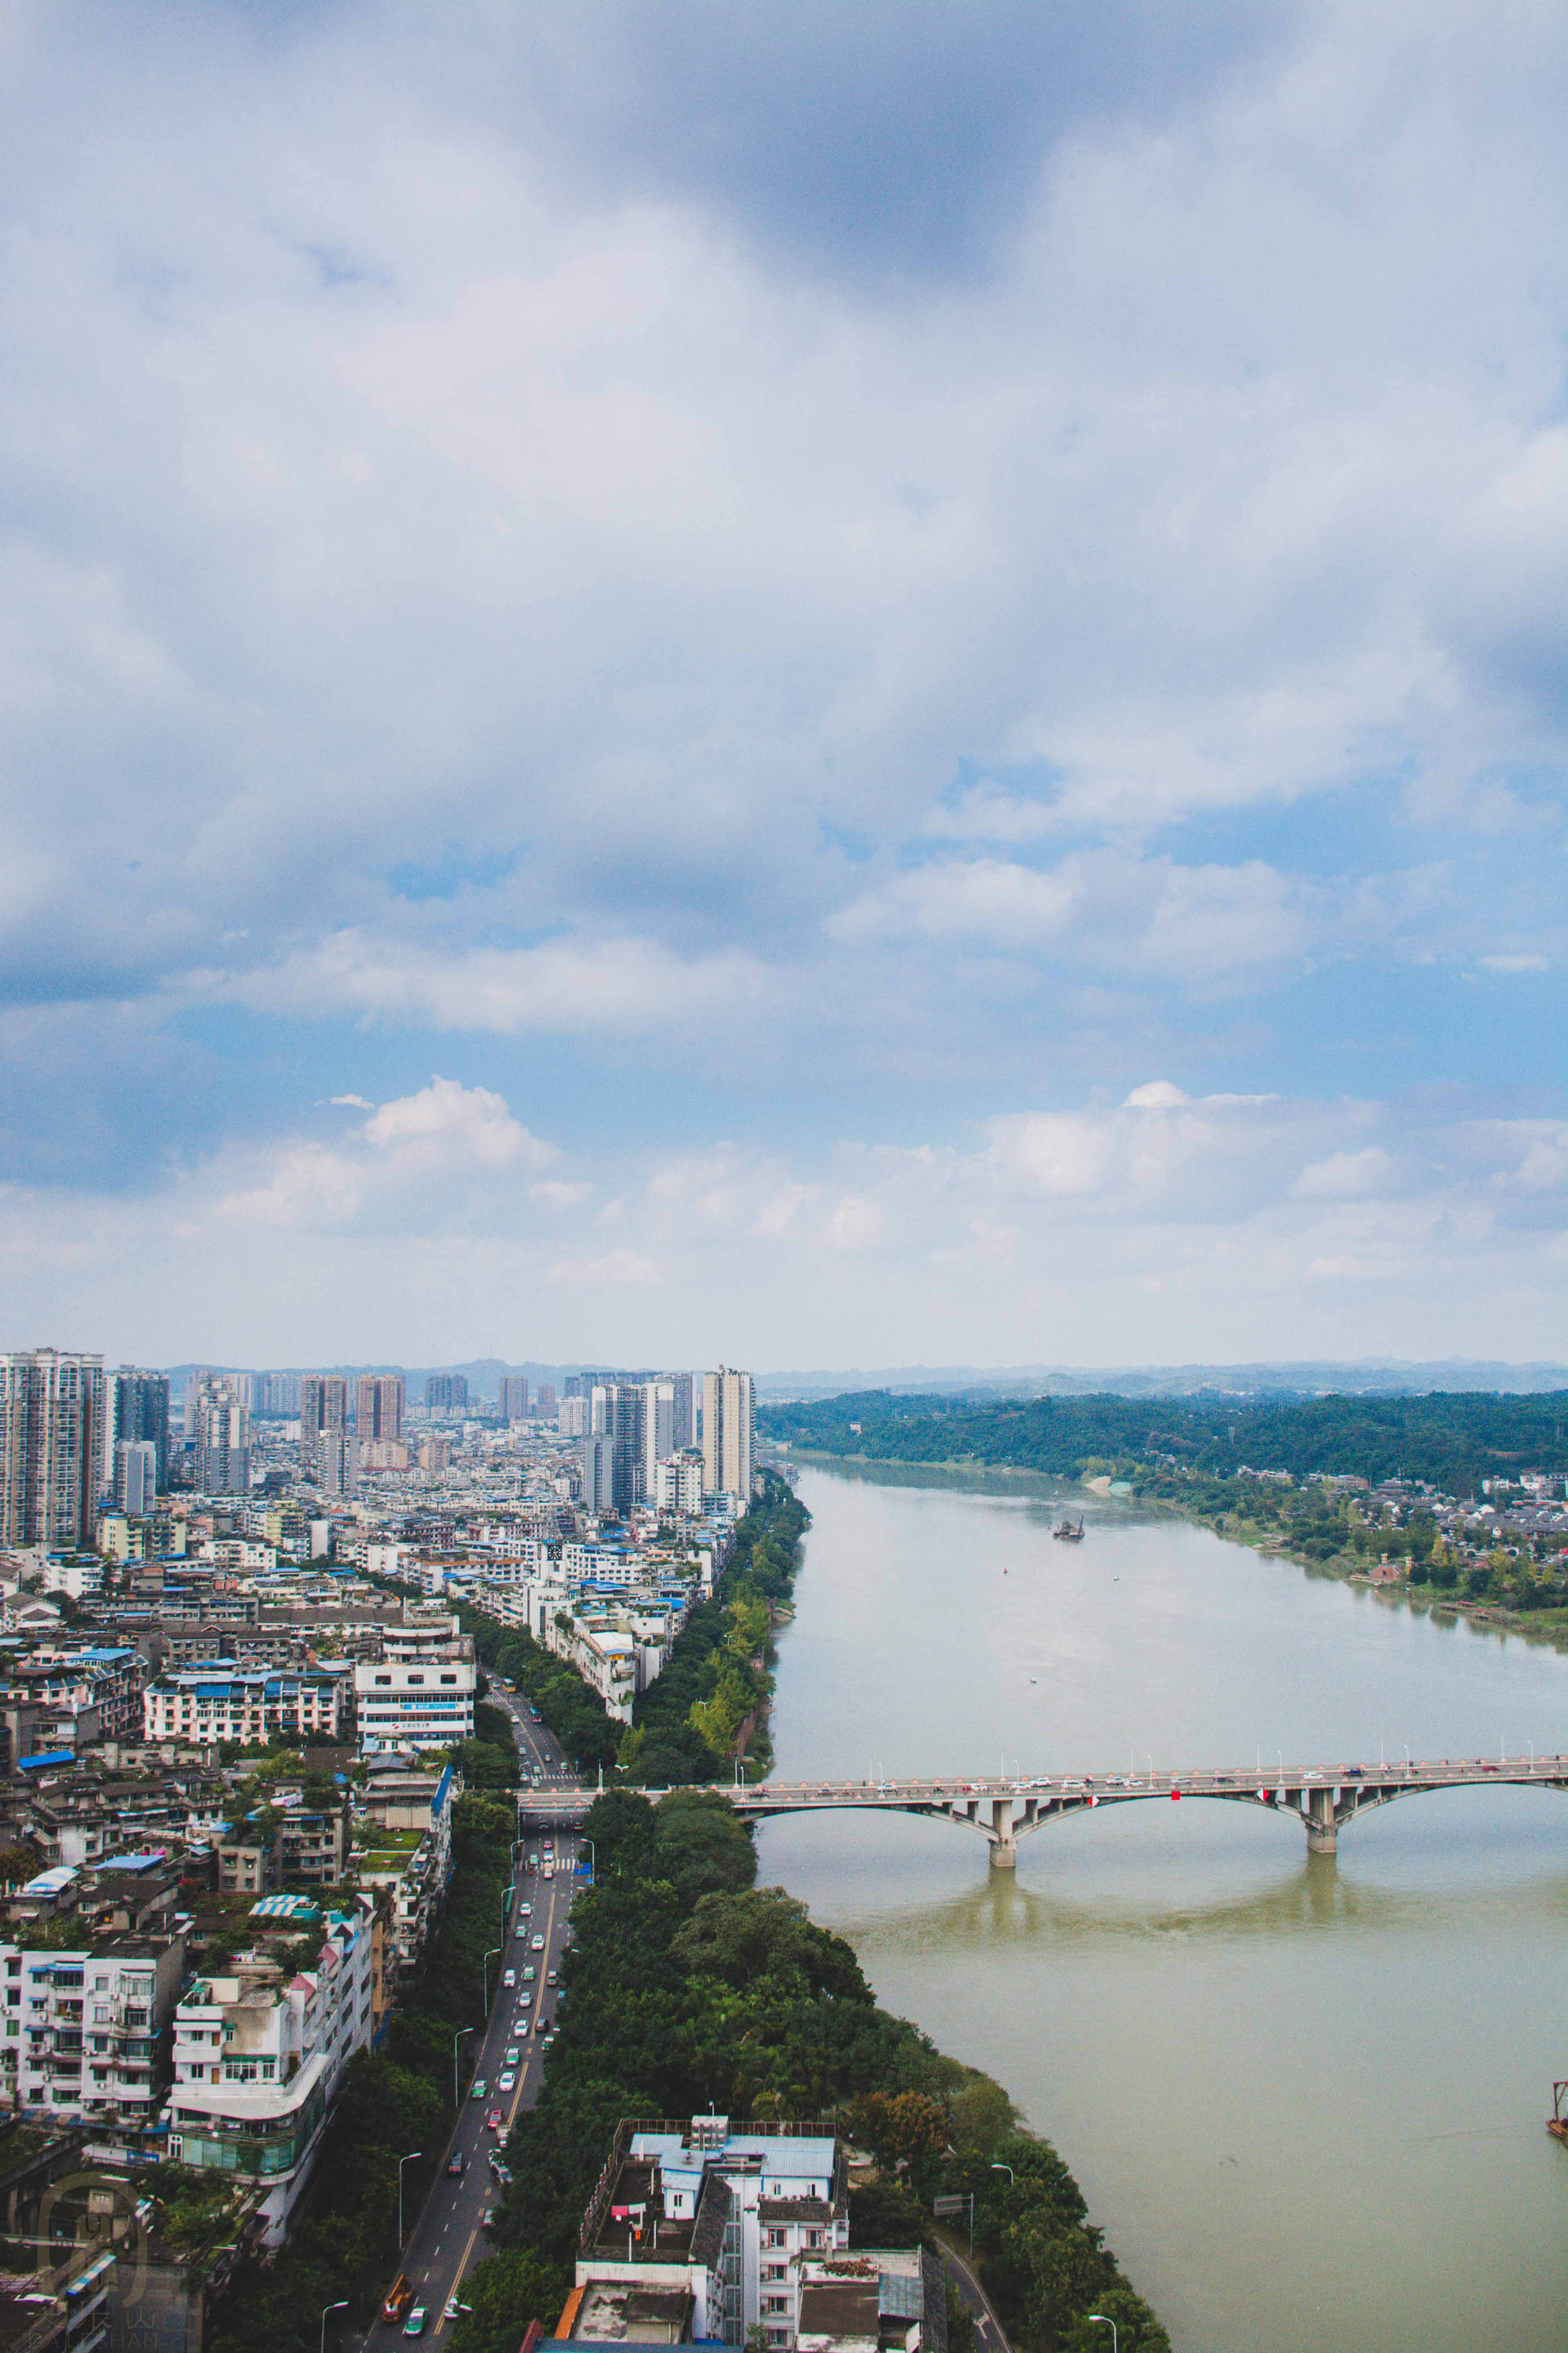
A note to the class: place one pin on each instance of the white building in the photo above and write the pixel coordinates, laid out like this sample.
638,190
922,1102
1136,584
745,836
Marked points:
257,2061
679,1485
415,1702
83,2029
222,1701
135,1476
727,1433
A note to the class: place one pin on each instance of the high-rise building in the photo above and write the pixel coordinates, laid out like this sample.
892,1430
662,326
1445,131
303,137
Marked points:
135,1476
140,1404
52,1415
596,1456
659,1429
447,1392
545,1407
619,1414
337,1463
277,1396
574,1416
323,1419
513,1398
222,1436
685,1429
727,1433
679,1483
378,1406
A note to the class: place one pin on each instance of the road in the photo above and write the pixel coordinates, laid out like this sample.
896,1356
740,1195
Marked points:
988,2330
448,2239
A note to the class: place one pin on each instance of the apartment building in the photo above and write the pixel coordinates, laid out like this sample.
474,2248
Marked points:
86,2030
403,1845
222,1701
717,2220
52,1419
411,1699
257,2059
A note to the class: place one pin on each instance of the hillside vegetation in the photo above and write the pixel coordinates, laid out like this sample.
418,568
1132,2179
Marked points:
1453,1441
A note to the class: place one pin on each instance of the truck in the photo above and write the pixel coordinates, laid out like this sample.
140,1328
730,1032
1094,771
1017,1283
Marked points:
399,2296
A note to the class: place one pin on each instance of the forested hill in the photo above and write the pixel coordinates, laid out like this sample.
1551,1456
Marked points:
1453,1441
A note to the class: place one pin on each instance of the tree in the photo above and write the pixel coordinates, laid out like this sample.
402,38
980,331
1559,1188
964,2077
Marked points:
504,2294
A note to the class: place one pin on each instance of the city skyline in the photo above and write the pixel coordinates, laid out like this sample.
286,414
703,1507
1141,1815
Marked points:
713,718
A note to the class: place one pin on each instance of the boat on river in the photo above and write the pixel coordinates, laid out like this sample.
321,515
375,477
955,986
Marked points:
1068,1531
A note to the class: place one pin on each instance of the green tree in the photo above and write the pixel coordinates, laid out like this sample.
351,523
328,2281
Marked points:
504,2294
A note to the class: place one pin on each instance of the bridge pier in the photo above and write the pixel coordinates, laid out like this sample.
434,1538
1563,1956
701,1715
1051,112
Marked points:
1004,1853
1322,1830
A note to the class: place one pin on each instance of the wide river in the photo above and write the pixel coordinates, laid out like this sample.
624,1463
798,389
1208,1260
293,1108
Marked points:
1304,2096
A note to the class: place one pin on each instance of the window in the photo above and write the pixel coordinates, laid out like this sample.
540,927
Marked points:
776,2239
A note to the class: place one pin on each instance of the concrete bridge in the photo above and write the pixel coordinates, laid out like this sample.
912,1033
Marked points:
1322,1798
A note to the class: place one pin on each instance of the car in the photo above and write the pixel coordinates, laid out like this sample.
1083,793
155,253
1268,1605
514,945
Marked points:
509,1976
529,1973
525,1911
524,2003
496,2121
551,1976
456,2163
542,2024
486,2217
414,2324
512,2059
454,2308
477,2091
536,1944
508,2082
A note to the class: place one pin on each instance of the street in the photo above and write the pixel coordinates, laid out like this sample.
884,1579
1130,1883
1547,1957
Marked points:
447,2238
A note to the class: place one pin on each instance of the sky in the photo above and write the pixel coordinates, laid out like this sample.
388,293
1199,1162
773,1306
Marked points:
818,684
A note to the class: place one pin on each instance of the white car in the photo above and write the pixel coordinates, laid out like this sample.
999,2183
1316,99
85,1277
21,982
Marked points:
508,2082
536,1944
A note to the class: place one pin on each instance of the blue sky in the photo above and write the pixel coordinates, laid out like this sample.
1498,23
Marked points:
832,683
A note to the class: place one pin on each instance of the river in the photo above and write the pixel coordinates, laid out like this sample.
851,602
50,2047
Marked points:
1305,2096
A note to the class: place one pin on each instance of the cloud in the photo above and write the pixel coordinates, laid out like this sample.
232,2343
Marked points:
620,1269
625,985
1345,1176
786,630
418,1154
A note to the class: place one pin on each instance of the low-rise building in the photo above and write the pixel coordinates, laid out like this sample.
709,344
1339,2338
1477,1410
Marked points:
221,1702
87,2031
258,2057
419,1701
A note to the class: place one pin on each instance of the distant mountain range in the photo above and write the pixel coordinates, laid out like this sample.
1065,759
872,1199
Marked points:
1302,1378
1368,1376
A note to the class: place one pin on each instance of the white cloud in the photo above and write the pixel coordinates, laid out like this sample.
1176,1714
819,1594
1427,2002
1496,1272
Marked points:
417,1155
627,985
621,1270
447,1120
1345,1176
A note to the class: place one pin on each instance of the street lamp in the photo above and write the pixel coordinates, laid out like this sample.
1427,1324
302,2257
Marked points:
493,1954
1106,2322
401,2163
456,2038
331,2307
1006,2169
